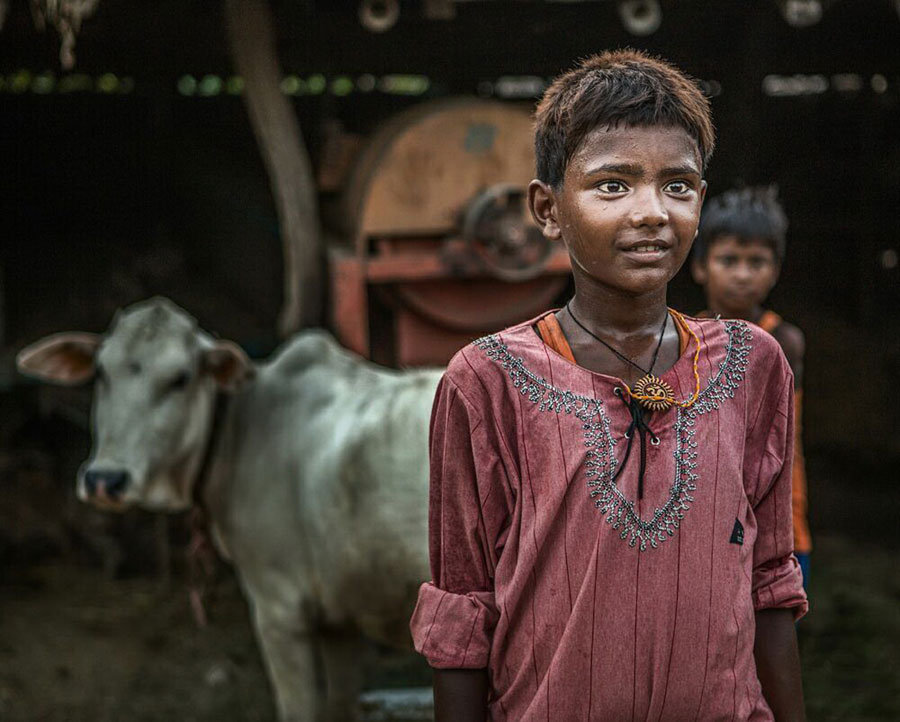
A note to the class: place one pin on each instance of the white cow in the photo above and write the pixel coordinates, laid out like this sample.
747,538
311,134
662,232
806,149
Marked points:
313,474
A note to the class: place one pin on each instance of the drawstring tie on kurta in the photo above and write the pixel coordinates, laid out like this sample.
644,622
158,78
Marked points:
639,425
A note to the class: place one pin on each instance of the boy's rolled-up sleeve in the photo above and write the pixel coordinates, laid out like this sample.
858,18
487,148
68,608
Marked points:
777,579
469,511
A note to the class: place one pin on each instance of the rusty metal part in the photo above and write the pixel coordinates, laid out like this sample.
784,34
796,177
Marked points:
421,170
439,9
379,16
640,17
500,232
439,247
460,306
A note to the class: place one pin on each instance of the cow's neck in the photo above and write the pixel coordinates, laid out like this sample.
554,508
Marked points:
220,411
201,555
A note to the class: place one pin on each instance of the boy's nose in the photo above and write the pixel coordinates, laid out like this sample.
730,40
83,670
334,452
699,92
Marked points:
649,210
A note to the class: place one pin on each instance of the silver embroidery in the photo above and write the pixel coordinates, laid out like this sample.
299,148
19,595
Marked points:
600,465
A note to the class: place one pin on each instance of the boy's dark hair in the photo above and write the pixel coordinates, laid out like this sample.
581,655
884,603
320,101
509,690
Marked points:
618,87
751,214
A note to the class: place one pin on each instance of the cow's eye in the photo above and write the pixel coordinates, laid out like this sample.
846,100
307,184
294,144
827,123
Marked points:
180,381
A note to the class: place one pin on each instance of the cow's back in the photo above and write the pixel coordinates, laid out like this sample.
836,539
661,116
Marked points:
341,448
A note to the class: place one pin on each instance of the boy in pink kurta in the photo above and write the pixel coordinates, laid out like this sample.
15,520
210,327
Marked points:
601,561
547,588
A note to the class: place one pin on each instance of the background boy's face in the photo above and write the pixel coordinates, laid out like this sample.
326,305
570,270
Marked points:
737,276
628,208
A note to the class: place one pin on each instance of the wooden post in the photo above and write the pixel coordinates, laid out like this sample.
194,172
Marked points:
252,41
2,310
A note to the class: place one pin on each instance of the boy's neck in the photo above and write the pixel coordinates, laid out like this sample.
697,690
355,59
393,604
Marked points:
619,314
752,314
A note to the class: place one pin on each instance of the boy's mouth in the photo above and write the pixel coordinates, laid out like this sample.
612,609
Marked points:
649,250
743,297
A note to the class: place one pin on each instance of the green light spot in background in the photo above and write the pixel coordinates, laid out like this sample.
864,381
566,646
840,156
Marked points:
234,85
20,81
879,83
292,85
366,83
187,85
316,83
210,85
404,84
342,85
107,83
75,83
43,83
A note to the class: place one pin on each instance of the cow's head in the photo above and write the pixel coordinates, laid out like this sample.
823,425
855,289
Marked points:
156,376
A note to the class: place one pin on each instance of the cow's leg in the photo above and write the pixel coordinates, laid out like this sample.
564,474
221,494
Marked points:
288,649
343,657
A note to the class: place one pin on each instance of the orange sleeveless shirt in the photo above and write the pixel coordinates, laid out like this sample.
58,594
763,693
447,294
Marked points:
768,322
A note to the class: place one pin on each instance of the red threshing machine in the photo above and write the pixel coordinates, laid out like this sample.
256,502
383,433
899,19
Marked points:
441,247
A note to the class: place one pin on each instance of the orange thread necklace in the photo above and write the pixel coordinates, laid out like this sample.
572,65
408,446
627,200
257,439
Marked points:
650,391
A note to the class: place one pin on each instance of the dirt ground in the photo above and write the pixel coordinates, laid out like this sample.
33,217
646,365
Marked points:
76,645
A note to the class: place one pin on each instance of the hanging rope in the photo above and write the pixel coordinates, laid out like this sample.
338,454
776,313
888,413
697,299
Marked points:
66,16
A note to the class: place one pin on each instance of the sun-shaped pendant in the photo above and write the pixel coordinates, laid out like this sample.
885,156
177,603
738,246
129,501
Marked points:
653,393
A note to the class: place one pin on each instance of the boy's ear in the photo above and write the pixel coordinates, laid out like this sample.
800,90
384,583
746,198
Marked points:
543,207
775,274
698,271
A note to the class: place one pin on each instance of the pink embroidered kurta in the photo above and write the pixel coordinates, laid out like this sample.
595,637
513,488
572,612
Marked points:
584,601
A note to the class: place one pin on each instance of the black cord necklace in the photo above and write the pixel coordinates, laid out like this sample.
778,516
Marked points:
648,382
646,372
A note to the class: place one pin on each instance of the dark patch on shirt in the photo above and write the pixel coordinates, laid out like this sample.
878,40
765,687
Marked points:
737,534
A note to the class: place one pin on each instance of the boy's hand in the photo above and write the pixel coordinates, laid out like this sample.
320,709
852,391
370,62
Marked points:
460,695
778,664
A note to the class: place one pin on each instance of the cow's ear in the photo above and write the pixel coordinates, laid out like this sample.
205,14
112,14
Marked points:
227,363
64,358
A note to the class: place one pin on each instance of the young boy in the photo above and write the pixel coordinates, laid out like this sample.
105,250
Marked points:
737,259
610,482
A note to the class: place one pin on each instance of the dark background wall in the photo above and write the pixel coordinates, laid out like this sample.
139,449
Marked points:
116,187
107,198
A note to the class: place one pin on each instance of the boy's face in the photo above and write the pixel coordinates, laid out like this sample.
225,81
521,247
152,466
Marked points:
628,208
737,276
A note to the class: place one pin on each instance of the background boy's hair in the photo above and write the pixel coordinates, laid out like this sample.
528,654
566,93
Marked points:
619,87
749,214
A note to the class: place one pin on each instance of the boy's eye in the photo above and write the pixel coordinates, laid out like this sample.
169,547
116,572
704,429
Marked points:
612,186
679,187
726,261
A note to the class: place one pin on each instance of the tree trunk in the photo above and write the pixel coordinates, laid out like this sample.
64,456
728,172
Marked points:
251,37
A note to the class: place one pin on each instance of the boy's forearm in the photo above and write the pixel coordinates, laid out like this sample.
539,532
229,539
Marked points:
778,664
460,695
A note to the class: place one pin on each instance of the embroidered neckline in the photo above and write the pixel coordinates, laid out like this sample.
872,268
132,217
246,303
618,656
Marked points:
600,467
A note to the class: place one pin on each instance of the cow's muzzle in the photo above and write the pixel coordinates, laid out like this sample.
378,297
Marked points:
106,484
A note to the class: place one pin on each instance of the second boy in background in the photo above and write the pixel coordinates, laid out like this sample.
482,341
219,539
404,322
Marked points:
737,259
